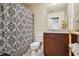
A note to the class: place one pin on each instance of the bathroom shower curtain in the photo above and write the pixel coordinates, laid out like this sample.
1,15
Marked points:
16,29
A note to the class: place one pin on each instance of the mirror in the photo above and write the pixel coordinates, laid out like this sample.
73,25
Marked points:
57,17
54,23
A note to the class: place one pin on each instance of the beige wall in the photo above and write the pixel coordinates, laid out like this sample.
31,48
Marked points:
73,15
76,16
40,17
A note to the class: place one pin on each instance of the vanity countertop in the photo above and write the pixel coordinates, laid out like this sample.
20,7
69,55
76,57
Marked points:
56,31
75,33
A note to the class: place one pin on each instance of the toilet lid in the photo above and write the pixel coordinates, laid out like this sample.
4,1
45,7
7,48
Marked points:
35,43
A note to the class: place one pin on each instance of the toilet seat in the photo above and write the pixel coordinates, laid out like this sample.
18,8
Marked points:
34,45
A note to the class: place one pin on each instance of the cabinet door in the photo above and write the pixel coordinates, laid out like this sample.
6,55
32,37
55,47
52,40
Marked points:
56,44
59,46
47,47
74,38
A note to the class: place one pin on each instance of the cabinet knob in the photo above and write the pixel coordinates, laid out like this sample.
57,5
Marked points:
66,54
66,42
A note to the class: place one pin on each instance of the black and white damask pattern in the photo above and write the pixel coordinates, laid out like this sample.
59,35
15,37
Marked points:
16,29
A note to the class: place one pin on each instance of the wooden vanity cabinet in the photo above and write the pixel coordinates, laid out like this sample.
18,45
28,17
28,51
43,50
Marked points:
56,44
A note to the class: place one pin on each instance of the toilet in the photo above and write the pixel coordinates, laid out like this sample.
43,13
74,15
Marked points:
34,46
74,48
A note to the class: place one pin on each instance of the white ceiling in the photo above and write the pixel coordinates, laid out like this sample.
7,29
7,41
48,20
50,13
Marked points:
57,7
35,4
50,8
